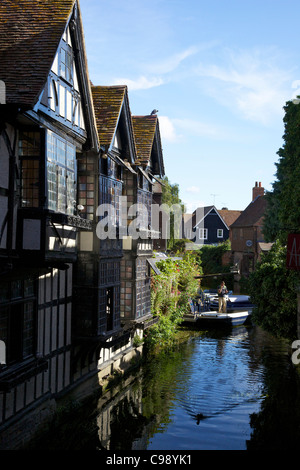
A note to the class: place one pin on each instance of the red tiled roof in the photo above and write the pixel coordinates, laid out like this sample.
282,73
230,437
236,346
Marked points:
30,31
108,101
252,214
144,131
229,216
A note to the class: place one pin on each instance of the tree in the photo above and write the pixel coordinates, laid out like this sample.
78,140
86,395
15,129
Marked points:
272,290
272,287
283,210
170,196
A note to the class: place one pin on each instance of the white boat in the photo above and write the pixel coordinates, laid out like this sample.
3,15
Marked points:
215,319
234,303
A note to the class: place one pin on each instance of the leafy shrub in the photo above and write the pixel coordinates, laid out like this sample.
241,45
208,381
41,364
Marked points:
272,289
169,296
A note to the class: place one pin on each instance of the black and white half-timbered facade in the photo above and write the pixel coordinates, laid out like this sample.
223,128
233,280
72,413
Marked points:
46,123
139,249
74,163
101,188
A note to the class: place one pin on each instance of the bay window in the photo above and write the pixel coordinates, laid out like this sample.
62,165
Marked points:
29,153
60,171
61,174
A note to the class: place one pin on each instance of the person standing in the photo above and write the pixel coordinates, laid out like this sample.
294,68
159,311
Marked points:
222,293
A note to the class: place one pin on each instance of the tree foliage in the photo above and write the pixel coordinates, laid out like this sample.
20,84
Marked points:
170,293
272,290
272,287
170,196
210,258
283,211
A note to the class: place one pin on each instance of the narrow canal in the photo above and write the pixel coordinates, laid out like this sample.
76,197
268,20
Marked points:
233,390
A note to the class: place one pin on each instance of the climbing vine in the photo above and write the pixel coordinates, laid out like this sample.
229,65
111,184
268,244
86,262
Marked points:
170,293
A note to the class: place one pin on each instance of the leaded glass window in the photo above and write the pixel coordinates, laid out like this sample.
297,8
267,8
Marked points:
29,153
61,174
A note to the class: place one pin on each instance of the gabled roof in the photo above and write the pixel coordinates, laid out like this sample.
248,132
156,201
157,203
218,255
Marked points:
202,212
144,133
253,213
148,142
109,103
229,216
30,32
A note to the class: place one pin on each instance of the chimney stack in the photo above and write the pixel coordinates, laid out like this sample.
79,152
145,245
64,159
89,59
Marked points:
258,190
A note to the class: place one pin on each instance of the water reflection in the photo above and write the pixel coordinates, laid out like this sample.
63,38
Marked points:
217,390
211,393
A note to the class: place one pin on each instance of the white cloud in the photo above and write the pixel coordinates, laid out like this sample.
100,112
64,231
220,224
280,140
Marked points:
169,64
167,129
141,83
250,83
153,72
177,130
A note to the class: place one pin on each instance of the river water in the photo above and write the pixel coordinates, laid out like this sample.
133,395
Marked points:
218,390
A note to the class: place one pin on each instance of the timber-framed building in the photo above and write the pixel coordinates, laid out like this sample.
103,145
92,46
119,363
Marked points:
68,300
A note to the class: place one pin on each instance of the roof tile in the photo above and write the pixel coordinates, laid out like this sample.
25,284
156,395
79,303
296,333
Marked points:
253,213
144,131
108,101
30,31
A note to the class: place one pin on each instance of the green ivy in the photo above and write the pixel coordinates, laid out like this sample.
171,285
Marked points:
170,292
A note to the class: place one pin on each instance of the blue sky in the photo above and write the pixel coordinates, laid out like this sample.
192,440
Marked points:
219,73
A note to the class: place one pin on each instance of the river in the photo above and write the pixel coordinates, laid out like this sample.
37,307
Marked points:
234,390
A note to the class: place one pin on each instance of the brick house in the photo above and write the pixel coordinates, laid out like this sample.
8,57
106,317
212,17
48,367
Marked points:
247,240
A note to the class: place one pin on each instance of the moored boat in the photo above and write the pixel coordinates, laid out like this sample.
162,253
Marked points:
234,303
215,319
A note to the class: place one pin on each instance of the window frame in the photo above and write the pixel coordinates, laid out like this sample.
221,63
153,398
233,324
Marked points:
63,98
203,233
59,173
222,233
33,158
66,63
19,333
